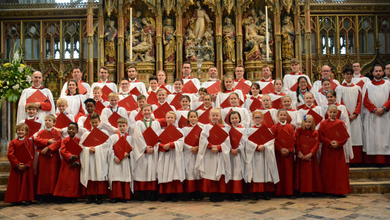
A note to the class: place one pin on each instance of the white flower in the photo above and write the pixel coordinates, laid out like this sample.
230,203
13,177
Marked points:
20,69
15,87
28,79
5,87
16,56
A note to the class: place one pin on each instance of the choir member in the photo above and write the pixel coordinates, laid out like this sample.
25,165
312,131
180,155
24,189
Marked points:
297,96
289,80
357,76
83,87
125,90
307,176
186,74
120,170
103,74
226,89
326,73
237,158
376,117
62,105
333,167
113,110
48,143
234,101
193,180
199,104
161,81
44,106
213,161
182,112
170,171
84,122
135,115
284,155
94,164
32,112
267,74
309,104
20,187
266,106
350,94
134,83
97,95
145,157
261,169
74,99
321,98
239,73
254,93
213,77
293,118
68,184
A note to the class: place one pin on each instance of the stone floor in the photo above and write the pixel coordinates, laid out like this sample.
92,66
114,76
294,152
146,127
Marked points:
356,206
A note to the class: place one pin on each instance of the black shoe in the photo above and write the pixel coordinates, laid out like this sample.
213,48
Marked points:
73,200
174,197
219,197
99,199
91,199
199,196
113,201
14,203
41,200
141,196
230,197
339,196
266,196
123,200
213,199
164,198
313,195
238,197
27,203
193,196
153,196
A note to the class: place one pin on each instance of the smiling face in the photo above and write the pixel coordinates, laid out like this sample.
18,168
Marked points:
193,118
234,119
331,98
286,102
332,113
215,116
36,78
21,132
113,101
161,96
62,107
132,73
170,118
185,103
72,87
103,74
49,123
147,112
233,99
72,130
257,119
161,78
302,84
32,112
308,124
356,68
153,85
141,102
326,85
125,85
90,107
309,99
178,86
255,91
95,122
122,127
213,73
229,83
207,101
282,116
326,72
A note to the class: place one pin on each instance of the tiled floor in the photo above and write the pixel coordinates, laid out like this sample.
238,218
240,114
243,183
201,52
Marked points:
357,206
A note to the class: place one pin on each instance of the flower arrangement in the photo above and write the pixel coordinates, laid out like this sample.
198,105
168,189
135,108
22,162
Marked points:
14,77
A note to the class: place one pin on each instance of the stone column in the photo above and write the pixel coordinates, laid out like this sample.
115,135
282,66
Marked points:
90,42
121,45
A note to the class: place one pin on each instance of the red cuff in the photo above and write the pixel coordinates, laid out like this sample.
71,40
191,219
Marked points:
219,148
172,144
209,146
46,106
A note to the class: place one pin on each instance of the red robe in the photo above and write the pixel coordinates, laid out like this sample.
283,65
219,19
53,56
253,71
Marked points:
307,173
20,183
334,169
49,164
68,184
285,164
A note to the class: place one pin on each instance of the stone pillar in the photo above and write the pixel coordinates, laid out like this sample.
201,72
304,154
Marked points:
218,40
278,42
308,41
239,37
121,44
179,39
101,36
90,42
159,44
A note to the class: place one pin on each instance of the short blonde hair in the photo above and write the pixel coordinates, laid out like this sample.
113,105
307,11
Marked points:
32,105
22,125
313,123
62,101
161,90
122,120
285,97
309,93
113,94
332,107
216,109
96,88
52,117
146,105
173,113
266,95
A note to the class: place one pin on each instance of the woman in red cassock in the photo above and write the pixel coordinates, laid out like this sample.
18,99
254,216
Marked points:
21,178
334,169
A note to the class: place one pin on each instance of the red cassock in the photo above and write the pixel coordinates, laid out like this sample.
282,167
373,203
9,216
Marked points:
334,169
285,164
20,183
307,173
49,164
68,184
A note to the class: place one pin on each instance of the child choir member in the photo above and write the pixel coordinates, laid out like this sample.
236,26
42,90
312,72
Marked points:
74,100
108,112
62,104
48,143
125,90
136,114
298,96
20,187
145,157
120,173
161,80
267,107
333,166
262,172
68,184
234,101
170,167
32,110
153,86
351,96
84,122
182,112
199,104
213,161
293,118
307,175
290,79
284,155
278,86
310,105
193,179
94,164
254,93
237,158
227,88
97,96
321,98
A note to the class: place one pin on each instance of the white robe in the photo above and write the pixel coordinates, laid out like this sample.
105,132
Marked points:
82,129
22,114
248,82
139,85
350,95
290,80
194,80
38,120
212,166
169,87
64,131
296,118
86,86
74,104
316,109
248,102
110,85
317,85
145,165
119,172
261,167
237,162
171,164
221,97
264,84
208,83
189,158
244,113
94,166
106,114
376,136
124,95
321,99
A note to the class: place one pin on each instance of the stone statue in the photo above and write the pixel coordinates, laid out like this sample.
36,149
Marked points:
169,42
229,39
288,5
189,46
137,22
109,42
253,41
199,22
149,30
287,38
208,44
